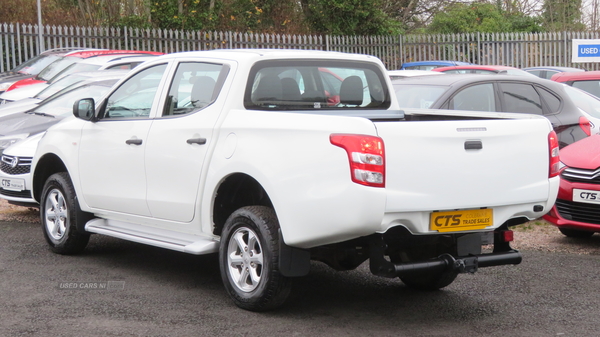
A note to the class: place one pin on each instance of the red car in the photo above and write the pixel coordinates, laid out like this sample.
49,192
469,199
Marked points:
59,65
587,80
479,69
576,212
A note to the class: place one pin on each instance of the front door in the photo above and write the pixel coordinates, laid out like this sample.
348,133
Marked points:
112,150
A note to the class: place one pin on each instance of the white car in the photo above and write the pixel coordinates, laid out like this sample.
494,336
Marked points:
64,83
25,130
588,104
252,155
104,62
15,166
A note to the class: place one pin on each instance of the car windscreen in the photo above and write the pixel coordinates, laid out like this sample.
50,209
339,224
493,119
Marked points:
316,86
77,67
35,65
56,67
59,85
62,105
584,101
418,96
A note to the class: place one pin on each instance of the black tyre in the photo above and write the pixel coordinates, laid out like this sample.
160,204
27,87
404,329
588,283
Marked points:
60,216
249,257
574,233
430,281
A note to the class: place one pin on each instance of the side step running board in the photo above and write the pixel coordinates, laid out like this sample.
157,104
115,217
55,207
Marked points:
182,242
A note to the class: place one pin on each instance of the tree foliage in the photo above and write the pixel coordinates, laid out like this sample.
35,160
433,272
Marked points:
562,15
333,17
481,17
348,17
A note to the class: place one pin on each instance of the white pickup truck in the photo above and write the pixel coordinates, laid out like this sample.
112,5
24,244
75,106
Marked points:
274,158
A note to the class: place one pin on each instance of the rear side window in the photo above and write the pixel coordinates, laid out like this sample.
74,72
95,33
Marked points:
194,86
551,100
521,98
593,87
316,85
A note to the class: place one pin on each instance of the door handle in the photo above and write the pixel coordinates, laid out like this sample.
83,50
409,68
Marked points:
133,141
200,141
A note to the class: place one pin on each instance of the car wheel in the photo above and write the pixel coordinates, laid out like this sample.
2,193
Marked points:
60,216
430,281
249,257
574,233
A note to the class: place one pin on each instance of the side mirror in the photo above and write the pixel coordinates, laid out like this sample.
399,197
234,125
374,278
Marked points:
84,108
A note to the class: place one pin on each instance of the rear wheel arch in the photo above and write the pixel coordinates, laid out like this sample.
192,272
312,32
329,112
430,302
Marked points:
46,166
234,192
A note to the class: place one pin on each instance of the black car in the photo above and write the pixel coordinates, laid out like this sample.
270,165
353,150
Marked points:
504,93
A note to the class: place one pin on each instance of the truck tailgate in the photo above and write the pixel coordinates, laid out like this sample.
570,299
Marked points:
438,165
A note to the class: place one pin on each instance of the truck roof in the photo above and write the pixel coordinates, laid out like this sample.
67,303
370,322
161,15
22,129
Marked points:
245,54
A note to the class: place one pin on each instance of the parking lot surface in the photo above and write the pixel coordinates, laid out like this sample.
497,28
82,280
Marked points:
119,288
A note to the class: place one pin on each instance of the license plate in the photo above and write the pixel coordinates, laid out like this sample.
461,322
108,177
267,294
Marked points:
461,220
587,196
12,184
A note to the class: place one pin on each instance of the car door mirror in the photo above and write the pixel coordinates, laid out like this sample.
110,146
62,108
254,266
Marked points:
84,108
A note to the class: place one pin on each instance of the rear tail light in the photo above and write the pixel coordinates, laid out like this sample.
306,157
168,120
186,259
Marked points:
366,155
585,125
554,157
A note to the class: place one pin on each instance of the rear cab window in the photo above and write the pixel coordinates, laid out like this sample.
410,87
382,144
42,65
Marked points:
317,86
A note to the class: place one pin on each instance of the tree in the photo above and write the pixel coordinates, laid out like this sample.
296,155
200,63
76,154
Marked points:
560,15
481,17
348,17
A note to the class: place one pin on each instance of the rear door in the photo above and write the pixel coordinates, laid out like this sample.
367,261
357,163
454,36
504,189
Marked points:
180,137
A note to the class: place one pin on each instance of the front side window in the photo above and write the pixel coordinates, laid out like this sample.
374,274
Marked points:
316,85
194,87
134,97
478,97
520,97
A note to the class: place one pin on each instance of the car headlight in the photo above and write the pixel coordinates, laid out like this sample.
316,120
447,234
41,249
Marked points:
7,141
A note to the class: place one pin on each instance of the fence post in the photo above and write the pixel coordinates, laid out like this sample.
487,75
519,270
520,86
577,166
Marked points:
479,48
565,53
126,35
401,49
326,42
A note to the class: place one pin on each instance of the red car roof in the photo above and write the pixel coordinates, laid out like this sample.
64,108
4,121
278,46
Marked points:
576,76
91,53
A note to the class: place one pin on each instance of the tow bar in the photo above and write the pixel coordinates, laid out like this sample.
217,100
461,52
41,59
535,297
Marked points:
467,264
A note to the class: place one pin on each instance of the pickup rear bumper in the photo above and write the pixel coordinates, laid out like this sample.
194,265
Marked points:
465,264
